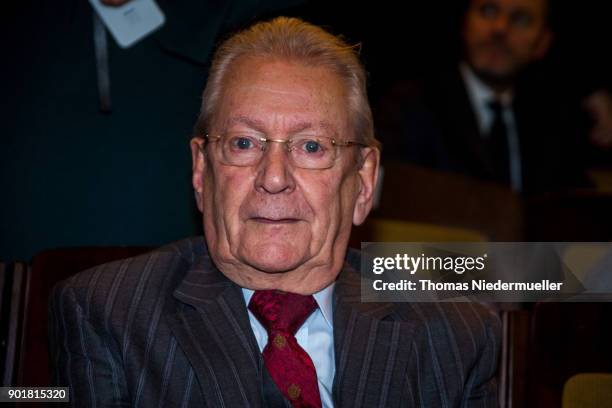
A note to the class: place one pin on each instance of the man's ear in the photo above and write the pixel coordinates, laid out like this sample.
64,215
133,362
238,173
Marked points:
198,159
368,175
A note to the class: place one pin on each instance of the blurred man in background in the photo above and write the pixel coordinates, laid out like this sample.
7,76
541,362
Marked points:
483,119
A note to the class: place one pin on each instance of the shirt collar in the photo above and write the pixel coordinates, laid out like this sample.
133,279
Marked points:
478,91
324,299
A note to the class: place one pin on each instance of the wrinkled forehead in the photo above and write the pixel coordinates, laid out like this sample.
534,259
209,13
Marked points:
256,91
293,124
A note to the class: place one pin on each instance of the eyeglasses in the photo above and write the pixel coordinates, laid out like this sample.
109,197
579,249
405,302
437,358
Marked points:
307,151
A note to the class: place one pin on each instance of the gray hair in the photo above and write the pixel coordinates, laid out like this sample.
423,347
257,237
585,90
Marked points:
294,40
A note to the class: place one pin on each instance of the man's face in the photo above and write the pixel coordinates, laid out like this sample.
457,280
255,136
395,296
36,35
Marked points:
501,37
273,225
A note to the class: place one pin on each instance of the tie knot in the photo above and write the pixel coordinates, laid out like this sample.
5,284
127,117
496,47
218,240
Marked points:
495,106
280,310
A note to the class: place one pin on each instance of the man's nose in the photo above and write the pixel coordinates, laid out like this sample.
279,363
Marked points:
275,172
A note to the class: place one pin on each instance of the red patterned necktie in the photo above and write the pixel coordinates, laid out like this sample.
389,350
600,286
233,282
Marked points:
291,368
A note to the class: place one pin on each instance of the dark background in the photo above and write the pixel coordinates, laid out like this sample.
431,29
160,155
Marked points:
73,176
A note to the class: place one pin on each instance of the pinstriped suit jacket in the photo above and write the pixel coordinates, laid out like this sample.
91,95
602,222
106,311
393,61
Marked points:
167,329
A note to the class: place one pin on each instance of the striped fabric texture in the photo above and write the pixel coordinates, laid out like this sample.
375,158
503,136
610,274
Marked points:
167,329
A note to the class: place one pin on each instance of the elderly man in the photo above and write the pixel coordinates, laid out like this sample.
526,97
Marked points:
266,311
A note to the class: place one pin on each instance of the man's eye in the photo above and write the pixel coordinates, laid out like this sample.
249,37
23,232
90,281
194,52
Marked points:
521,19
311,146
242,143
488,10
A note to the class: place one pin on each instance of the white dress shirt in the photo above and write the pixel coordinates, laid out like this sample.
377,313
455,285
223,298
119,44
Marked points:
480,95
316,337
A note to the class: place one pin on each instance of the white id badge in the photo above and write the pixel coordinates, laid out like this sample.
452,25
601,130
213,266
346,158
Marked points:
131,21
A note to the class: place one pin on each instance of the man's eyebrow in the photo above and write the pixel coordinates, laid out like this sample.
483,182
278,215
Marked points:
245,120
296,127
328,127
301,126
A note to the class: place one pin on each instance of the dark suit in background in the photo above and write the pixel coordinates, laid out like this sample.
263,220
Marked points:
436,126
168,329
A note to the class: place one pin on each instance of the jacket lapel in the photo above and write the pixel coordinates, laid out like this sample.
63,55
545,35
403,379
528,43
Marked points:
210,323
208,317
372,348
467,132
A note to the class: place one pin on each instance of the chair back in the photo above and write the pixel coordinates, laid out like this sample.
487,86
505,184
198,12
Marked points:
588,390
48,268
416,194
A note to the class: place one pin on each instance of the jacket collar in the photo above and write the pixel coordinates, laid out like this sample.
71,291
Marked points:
211,324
